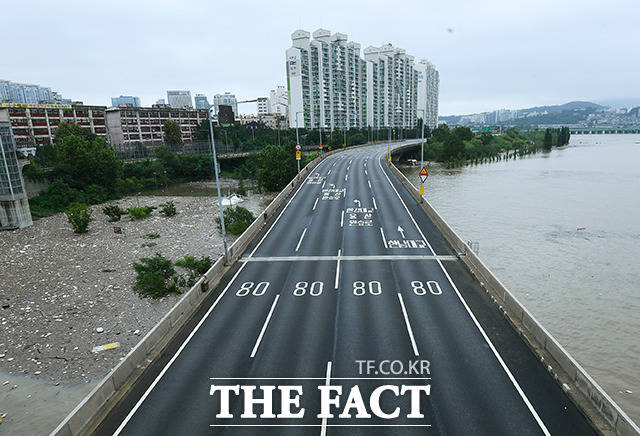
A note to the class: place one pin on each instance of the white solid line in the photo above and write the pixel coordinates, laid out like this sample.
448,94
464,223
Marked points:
323,183
383,238
264,327
369,182
315,204
323,431
374,257
475,321
406,321
301,238
175,356
375,206
285,208
338,269
342,219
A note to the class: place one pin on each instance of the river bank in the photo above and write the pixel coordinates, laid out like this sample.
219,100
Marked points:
64,294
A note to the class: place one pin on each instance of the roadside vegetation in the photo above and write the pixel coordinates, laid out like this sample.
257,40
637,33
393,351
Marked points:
157,277
460,146
236,220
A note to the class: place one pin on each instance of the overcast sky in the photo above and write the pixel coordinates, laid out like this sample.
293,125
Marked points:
491,54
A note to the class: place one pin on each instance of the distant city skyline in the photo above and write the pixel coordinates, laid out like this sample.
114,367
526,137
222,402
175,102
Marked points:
491,55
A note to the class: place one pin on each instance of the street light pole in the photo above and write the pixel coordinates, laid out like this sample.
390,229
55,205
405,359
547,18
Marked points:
297,137
215,167
422,141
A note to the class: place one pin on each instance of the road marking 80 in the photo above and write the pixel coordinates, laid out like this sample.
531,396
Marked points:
315,289
259,289
433,286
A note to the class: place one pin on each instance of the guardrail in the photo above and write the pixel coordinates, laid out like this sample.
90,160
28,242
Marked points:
589,396
95,406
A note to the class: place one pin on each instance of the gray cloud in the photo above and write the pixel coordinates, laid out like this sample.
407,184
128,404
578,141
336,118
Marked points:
490,54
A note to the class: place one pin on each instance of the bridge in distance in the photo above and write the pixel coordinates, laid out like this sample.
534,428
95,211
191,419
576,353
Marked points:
350,281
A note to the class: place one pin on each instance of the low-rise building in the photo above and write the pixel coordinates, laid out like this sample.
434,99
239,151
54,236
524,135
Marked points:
128,125
33,124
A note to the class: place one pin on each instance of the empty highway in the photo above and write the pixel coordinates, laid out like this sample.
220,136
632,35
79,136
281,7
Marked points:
349,286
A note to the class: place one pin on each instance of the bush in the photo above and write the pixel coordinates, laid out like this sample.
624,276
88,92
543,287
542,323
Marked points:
196,268
168,209
156,277
79,215
152,235
114,212
236,219
139,213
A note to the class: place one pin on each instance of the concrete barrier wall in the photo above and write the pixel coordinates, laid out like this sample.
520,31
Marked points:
563,367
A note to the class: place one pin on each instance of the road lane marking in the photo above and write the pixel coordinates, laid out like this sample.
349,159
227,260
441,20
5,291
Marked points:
323,431
342,219
375,206
285,207
346,177
350,160
366,173
323,183
175,356
329,172
475,321
383,238
406,321
320,378
332,258
264,327
315,204
319,425
369,182
301,238
338,269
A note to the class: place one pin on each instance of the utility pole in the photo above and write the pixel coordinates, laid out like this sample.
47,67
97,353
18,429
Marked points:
297,138
215,167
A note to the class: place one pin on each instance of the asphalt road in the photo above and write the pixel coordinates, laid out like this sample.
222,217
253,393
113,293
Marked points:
350,286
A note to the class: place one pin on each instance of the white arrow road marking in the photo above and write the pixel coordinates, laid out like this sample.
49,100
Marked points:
401,230
357,202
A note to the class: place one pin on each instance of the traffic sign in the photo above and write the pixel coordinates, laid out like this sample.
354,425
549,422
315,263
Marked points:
320,146
298,147
423,174
298,154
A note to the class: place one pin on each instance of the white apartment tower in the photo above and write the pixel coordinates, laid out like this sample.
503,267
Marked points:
331,86
428,91
326,81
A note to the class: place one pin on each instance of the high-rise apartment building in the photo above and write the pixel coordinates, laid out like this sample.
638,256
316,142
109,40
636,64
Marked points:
201,101
125,100
428,91
331,86
179,99
226,99
11,92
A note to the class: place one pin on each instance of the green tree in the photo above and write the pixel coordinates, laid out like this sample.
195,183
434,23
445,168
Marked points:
80,163
67,129
172,133
276,167
548,139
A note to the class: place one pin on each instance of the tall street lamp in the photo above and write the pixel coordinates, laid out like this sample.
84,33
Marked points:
215,166
297,137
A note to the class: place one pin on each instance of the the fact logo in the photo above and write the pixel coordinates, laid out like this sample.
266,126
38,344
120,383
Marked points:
334,400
